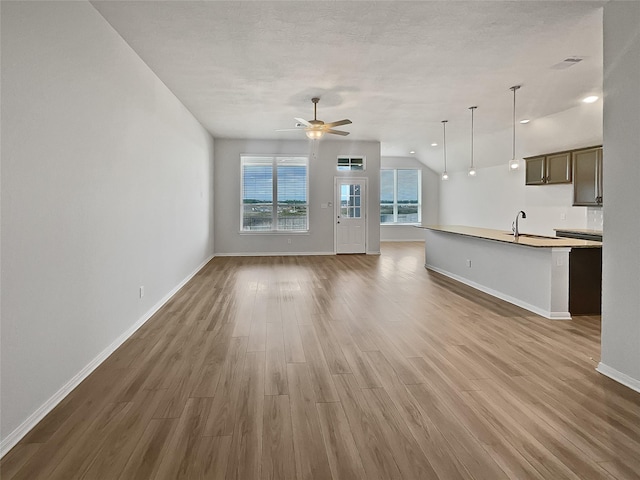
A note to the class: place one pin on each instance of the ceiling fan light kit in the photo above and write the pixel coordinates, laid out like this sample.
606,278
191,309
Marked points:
314,134
315,129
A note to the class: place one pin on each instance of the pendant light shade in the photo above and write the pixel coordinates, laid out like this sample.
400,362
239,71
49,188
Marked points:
445,175
472,170
514,163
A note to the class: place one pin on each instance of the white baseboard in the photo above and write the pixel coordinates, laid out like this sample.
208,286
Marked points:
503,296
273,254
623,378
14,437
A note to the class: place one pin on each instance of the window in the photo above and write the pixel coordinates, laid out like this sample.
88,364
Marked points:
350,163
400,195
265,178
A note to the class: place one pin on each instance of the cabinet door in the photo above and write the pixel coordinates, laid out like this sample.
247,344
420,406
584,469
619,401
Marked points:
599,178
586,177
535,171
558,168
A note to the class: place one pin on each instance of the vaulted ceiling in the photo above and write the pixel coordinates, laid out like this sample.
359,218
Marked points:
396,69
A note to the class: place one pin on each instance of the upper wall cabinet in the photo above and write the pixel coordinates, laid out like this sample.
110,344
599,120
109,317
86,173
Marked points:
548,169
587,171
535,170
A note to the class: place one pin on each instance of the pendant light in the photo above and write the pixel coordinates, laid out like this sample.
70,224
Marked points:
514,163
472,170
445,175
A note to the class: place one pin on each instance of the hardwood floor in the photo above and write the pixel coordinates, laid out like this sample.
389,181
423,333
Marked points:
351,367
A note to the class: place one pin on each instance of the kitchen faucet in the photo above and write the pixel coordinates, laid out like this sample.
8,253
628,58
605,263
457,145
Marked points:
514,225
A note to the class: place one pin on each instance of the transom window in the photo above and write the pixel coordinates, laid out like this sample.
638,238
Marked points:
400,193
274,194
350,163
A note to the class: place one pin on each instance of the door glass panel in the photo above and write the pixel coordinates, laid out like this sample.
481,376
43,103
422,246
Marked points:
350,201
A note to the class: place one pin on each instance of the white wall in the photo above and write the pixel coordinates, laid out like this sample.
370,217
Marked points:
322,170
106,186
430,189
621,255
495,195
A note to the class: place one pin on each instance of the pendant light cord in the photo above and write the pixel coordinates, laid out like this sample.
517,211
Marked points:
514,122
514,88
472,109
444,142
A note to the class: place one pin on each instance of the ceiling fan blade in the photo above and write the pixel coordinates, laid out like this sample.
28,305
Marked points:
302,121
336,132
291,130
338,123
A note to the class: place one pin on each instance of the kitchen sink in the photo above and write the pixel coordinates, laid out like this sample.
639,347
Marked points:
530,235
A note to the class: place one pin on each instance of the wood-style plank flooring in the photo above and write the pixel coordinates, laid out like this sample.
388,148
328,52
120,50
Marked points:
351,367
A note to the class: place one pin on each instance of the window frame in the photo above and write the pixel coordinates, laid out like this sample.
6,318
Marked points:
304,160
395,203
351,158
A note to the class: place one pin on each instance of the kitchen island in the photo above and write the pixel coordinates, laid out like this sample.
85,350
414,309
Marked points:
530,271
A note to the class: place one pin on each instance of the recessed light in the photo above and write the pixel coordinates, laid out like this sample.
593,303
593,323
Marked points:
434,144
590,99
525,120
412,152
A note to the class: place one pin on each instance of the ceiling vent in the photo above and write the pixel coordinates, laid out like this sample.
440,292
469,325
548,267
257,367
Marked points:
567,62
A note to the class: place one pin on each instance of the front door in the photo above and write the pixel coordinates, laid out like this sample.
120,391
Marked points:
351,220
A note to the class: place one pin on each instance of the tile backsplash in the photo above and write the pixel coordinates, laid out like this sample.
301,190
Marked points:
594,218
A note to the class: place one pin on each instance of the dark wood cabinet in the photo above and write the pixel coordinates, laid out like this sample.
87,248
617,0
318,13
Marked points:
585,281
535,170
587,170
548,169
558,168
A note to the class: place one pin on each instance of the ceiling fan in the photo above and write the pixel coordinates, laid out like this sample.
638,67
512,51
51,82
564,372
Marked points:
315,128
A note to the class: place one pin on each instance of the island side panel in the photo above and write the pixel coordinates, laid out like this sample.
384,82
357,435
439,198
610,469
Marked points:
536,279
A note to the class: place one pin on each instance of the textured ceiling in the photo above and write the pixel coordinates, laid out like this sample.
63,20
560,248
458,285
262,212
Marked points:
396,69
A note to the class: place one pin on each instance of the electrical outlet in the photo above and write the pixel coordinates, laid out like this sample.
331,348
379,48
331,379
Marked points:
141,291
563,216
289,241
468,263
